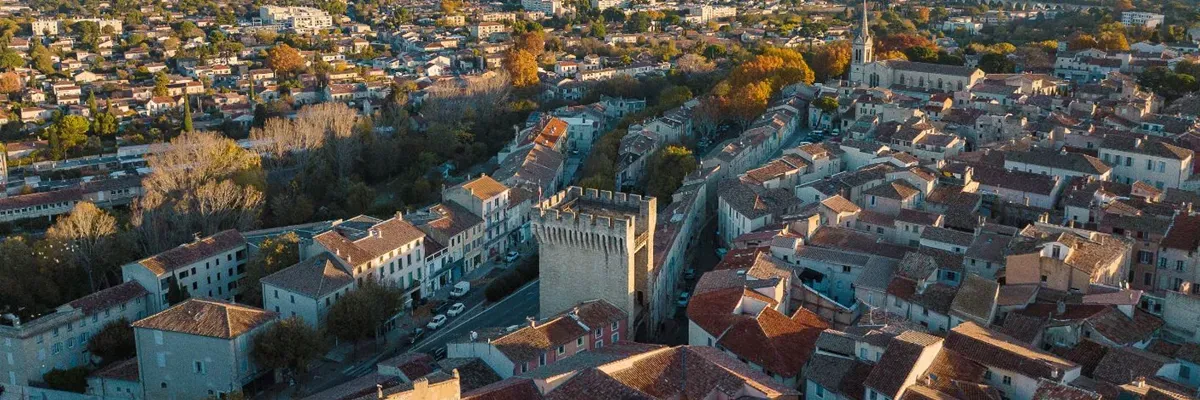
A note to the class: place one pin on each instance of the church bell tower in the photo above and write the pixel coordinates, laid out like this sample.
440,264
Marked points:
863,50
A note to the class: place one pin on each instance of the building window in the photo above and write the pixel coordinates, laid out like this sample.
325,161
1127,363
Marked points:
200,368
579,342
542,359
562,350
1185,373
820,391
1008,380
616,336
1179,265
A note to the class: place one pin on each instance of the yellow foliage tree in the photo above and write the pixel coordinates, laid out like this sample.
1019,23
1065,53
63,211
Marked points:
522,68
284,59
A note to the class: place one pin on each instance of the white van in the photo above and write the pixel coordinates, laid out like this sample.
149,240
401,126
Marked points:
460,289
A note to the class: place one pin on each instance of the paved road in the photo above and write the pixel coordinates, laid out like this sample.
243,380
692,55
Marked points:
512,310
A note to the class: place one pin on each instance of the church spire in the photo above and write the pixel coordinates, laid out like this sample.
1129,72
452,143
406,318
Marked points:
866,29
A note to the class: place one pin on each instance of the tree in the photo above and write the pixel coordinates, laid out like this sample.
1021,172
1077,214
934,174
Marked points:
450,7
533,42
161,81
10,59
284,59
288,345
187,114
360,313
748,101
10,83
522,67
993,63
666,170
827,105
891,55
40,57
694,64
639,22
105,123
1080,41
921,54
114,342
1113,41
274,254
830,61
201,183
1122,5
70,380
596,29
92,234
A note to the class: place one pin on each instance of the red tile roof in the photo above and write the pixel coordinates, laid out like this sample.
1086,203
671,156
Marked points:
189,253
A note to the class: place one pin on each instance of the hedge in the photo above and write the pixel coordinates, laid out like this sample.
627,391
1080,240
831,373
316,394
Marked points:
512,280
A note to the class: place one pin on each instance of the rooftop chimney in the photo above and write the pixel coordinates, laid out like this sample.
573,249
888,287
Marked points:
532,321
379,390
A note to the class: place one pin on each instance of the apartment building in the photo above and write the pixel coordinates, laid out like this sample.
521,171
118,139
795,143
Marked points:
199,349
1152,161
487,199
58,340
304,19
391,252
211,267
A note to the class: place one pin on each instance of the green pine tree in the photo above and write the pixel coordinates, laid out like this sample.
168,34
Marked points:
187,114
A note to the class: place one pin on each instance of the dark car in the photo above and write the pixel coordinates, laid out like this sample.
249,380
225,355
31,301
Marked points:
416,335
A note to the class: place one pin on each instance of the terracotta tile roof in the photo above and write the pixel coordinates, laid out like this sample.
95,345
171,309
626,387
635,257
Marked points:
949,236
1025,328
772,340
1124,365
1121,329
840,204
451,219
837,374
897,189
473,372
995,349
1087,353
189,253
210,318
122,370
695,372
529,342
413,365
377,240
113,296
509,389
950,367
593,383
1012,295
484,187
314,277
898,360
1184,233
1051,390
976,299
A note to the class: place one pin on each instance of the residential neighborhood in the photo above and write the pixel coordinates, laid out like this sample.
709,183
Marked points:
605,199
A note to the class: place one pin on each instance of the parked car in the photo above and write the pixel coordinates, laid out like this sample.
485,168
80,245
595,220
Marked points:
416,335
460,289
436,322
456,309
511,256
689,274
683,299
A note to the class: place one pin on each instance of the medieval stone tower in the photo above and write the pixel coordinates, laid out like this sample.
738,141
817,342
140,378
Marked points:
595,245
